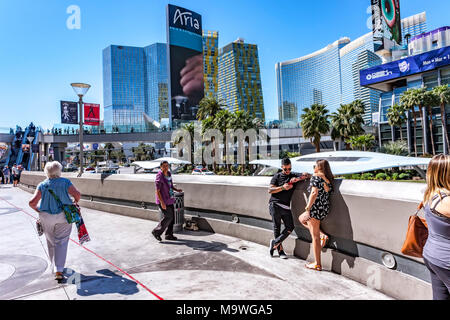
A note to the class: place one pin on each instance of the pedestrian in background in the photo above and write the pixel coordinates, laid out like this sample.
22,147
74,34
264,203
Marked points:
317,209
15,174
54,223
2,175
436,201
7,174
165,198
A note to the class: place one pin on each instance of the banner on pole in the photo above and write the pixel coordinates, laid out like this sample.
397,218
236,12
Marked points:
91,114
69,112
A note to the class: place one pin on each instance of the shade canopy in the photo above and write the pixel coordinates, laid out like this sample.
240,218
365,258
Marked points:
80,88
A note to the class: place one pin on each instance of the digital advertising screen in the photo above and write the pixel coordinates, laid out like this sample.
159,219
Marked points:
387,26
69,112
185,63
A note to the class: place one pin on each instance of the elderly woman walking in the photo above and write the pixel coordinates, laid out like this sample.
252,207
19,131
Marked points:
54,223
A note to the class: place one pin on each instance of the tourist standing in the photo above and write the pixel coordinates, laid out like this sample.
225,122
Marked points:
436,201
2,175
15,174
165,199
7,174
317,209
54,223
281,190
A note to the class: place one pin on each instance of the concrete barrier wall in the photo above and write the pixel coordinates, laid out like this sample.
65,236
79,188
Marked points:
374,213
366,218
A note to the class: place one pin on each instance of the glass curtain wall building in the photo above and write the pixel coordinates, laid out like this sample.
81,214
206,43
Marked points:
304,81
315,78
239,81
211,62
134,83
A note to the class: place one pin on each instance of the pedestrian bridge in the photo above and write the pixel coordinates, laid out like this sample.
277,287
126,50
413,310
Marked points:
367,223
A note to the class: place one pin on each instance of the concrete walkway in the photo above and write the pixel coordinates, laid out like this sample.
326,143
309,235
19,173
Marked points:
123,261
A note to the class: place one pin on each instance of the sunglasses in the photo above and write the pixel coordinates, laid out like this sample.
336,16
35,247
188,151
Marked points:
287,169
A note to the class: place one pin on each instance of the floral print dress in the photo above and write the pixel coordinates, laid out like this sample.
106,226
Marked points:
321,206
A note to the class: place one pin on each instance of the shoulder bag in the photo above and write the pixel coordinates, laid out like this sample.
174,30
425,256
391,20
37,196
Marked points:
416,235
71,211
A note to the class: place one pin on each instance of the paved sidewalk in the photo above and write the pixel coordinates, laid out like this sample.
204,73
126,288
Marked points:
124,261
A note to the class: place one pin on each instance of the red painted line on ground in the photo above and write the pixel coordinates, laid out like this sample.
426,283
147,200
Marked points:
97,255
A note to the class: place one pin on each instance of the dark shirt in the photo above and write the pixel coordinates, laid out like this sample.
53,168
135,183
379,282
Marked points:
279,179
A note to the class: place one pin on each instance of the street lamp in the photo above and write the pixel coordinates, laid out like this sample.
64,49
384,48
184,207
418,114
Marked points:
80,89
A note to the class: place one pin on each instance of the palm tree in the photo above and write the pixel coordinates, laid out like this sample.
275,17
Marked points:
416,97
396,117
409,100
242,120
362,142
430,100
347,121
315,123
443,95
209,107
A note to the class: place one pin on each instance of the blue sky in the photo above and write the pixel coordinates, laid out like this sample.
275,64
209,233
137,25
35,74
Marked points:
40,56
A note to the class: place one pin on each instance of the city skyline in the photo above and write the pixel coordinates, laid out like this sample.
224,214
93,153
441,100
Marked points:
44,57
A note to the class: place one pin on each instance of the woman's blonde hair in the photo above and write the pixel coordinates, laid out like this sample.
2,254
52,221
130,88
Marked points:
53,169
438,176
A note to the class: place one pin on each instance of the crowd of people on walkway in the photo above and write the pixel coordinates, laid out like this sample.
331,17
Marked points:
436,202
11,175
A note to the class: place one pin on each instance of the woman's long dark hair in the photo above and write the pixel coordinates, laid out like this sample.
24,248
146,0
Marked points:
324,166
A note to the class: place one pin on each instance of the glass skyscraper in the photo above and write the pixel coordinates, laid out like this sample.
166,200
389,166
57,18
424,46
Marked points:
134,82
239,79
315,78
211,62
331,76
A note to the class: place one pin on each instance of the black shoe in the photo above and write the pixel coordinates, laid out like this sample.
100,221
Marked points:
156,236
282,255
271,249
171,237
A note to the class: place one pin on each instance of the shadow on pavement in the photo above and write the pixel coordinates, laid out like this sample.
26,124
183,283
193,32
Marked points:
107,284
213,246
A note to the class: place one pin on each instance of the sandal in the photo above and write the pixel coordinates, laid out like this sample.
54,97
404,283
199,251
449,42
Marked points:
324,240
59,276
314,266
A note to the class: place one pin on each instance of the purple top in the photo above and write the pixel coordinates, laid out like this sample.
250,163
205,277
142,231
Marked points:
437,247
165,186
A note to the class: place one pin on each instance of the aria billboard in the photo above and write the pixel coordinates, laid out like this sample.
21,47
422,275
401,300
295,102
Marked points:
387,26
185,63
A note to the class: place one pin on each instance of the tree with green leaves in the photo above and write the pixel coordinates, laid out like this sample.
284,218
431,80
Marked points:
398,148
347,121
209,107
410,99
443,95
397,117
315,123
430,100
362,142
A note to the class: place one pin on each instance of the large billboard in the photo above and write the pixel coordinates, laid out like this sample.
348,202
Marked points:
405,67
69,112
91,114
387,25
185,63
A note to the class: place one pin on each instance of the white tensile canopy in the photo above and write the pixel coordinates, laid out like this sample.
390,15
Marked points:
348,162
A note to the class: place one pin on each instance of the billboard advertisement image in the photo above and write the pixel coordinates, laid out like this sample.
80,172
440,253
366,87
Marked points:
69,112
185,55
91,114
387,27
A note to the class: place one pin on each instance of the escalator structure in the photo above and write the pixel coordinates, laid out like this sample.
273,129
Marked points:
21,147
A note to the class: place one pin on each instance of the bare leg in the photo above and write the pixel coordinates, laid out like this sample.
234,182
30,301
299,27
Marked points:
314,229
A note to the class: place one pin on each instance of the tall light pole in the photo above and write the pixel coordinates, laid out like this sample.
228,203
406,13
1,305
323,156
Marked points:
80,89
